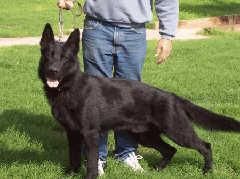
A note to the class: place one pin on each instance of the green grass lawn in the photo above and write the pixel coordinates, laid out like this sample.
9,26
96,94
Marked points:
32,145
27,18
191,9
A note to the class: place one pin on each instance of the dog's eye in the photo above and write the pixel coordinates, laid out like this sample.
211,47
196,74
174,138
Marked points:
65,58
52,53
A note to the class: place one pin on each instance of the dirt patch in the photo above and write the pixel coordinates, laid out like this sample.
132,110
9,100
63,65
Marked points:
222,21
187,30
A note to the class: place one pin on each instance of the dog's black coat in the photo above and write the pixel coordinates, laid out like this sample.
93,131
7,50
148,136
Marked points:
87,105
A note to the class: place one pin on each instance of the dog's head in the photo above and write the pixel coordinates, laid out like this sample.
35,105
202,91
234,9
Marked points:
58,60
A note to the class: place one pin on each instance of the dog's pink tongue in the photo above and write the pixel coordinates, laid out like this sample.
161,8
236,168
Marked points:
52,83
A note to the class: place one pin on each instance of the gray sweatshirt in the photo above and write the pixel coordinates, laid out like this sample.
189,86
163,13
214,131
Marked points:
136,12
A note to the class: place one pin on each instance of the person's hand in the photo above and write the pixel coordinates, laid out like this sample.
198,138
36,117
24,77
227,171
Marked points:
65,4
164,48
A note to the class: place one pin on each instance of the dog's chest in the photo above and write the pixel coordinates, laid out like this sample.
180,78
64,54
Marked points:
68,100
64,109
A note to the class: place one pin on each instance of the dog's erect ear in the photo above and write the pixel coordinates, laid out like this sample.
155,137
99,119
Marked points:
47,35
72,43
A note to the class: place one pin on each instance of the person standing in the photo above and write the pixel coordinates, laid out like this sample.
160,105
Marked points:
114,45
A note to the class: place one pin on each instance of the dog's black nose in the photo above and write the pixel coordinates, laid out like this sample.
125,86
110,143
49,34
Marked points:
53,69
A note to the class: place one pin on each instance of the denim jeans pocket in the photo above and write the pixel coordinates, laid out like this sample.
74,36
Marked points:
141,30
91,24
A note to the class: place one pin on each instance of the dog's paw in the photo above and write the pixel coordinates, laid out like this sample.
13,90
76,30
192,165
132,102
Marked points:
71,171
207,170
163,163
160,166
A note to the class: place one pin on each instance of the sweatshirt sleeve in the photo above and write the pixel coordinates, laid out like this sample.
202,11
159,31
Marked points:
168,14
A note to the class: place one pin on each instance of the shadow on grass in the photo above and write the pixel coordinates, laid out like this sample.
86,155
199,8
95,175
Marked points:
217,8
45,131
154,160
38,129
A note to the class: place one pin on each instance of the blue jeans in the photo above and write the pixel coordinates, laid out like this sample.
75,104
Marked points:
113,51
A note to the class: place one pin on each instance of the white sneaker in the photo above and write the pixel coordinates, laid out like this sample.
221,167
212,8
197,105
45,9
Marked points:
101,165
132,161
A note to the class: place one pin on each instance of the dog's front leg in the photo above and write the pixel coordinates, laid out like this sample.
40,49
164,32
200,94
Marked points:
91,140
75,146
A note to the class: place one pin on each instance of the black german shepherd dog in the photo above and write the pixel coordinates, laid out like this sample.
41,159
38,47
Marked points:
87,105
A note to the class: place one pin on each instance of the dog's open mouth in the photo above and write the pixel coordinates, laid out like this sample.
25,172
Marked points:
52,83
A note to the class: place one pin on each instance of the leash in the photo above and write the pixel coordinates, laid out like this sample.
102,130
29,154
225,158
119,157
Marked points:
77,11
60,24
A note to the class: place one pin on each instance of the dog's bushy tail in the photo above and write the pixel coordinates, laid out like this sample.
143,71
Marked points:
208,119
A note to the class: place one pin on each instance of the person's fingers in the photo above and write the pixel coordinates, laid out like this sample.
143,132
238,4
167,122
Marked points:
165,54
65,4
69,4
61,4
159,49
163,50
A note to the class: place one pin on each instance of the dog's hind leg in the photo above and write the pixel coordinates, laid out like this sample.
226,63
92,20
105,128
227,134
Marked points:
183,134
167,151
74,142
153,140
